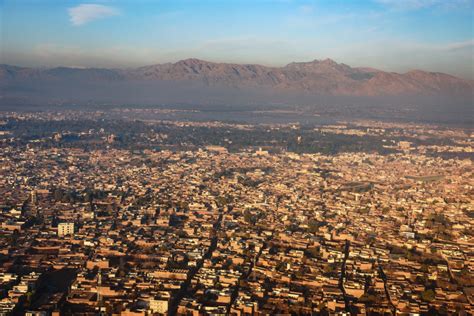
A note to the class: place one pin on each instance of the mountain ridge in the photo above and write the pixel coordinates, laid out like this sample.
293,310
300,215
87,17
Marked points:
318,77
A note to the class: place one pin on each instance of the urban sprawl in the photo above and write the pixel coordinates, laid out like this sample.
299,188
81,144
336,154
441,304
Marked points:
101,215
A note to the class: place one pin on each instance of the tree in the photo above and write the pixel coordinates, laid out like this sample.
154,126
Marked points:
428,295
313,226
58,194
313,252
249,217
14,237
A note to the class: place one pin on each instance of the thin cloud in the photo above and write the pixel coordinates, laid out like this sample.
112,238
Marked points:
422,4
468,44
408,4
306,9
87,12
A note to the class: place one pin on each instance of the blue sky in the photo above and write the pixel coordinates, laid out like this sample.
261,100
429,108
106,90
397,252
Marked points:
394,35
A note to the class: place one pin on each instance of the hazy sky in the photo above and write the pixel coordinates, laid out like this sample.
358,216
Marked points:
396,35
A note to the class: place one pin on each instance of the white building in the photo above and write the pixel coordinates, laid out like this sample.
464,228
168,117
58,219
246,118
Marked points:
65,229
160,303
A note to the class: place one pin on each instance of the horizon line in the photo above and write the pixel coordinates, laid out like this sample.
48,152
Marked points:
327,59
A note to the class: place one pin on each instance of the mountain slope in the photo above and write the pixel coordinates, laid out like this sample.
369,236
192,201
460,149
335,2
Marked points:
318,77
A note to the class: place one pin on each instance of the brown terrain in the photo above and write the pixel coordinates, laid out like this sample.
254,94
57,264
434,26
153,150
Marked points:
320,77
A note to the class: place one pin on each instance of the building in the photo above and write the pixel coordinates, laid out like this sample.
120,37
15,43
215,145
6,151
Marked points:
160,303
65,229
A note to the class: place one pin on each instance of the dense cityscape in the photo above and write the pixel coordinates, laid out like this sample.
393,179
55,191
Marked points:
123,213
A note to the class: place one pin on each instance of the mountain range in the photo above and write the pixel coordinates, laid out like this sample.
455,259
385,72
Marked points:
317,77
